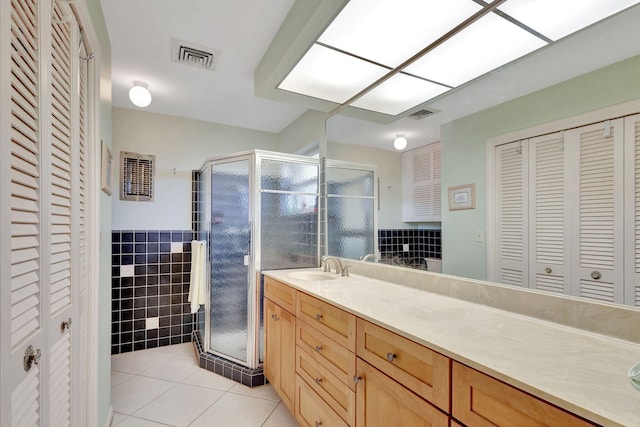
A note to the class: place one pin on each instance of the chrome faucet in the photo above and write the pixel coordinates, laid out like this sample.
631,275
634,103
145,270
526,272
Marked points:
340,269
368,257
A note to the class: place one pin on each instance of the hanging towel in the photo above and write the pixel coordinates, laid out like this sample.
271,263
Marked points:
197,293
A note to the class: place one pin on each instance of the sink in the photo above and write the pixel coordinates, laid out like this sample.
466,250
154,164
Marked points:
313,275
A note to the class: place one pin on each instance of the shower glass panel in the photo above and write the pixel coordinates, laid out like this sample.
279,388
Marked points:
351,200
230,247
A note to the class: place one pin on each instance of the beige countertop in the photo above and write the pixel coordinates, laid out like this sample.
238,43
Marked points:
583,372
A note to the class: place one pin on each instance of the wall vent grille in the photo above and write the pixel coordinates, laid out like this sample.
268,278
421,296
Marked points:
194,55
421,114
136,177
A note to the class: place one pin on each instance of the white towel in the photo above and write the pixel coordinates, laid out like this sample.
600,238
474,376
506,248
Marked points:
197,292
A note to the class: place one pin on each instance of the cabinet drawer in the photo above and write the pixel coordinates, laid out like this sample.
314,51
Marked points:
480,400
334,322
337,394
420,369
334,357
382,402
311,410
280,293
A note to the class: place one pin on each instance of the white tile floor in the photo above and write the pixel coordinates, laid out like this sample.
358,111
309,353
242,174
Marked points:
165,387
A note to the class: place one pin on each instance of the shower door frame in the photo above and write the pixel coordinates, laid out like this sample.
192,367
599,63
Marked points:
252,359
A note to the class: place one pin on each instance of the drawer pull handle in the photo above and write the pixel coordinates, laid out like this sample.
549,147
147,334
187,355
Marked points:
318,380
318,316
391,357
318,423
357,379
318,348
274,317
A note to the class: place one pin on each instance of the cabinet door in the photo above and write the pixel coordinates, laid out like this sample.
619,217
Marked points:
382,402
482,401
272,342
311,410
279,355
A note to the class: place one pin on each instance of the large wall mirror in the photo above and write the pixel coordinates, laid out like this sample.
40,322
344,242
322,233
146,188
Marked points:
586,72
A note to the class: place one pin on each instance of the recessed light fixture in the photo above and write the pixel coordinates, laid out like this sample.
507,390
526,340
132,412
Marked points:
139,94
400,143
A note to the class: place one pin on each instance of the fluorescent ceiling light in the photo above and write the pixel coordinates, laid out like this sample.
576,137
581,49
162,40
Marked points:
327,74
558,18
390,32
487,44
398,94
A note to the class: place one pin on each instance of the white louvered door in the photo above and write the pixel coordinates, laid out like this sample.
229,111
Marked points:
421,184
511,175
596,196
632,210
42,212
548,246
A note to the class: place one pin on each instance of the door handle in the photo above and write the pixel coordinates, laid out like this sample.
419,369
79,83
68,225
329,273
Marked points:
31,357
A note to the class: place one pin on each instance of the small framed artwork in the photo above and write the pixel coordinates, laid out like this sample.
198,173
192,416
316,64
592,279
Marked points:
462,197
106,175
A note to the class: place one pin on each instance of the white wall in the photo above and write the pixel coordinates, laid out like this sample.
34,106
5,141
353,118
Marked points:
180,144
464,144
307,129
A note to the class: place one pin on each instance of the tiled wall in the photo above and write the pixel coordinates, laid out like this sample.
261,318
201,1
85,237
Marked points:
422,244
150,288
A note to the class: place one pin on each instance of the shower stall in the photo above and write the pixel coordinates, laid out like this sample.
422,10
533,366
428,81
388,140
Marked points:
259,211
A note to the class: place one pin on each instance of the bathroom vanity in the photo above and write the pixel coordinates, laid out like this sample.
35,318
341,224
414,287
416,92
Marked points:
360,351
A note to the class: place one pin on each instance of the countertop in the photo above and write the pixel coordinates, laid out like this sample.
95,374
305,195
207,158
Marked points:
582,372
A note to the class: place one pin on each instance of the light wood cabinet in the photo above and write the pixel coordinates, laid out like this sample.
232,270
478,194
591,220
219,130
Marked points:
415,366
333,369
480,400
312,411
279,356
383,402
330,388
332,321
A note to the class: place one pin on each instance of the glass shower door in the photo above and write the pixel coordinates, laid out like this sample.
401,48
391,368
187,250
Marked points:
229,254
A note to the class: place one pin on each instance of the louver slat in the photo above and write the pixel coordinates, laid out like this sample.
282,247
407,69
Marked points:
60,382
25,400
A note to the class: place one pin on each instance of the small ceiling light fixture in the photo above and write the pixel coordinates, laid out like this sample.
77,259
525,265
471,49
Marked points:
400,143
139,94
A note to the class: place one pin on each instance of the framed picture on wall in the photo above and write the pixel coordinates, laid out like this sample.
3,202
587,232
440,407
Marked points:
462,197
106,175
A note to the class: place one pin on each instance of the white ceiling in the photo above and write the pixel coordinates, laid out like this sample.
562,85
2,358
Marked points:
242,30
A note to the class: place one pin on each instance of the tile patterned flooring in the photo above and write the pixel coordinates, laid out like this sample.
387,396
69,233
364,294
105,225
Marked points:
164,387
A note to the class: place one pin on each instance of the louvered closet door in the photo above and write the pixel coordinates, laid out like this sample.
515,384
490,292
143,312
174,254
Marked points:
39,209
596,194
511,214
632,210
548,248
437,182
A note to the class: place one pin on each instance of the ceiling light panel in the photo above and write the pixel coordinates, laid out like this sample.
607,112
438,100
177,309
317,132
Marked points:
487,44
390,32
558,18
398,94
330,75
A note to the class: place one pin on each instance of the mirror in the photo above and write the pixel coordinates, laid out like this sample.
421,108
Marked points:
515,97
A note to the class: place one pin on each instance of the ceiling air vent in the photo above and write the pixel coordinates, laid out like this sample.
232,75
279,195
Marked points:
194,55
420,114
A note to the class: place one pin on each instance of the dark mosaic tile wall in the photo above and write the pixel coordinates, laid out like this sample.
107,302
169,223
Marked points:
422,244
150,289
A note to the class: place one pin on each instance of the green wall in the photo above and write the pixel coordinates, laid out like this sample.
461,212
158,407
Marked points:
464,145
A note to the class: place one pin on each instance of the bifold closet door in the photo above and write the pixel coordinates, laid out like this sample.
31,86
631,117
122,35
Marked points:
548,249
595,194
632,210
511,211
